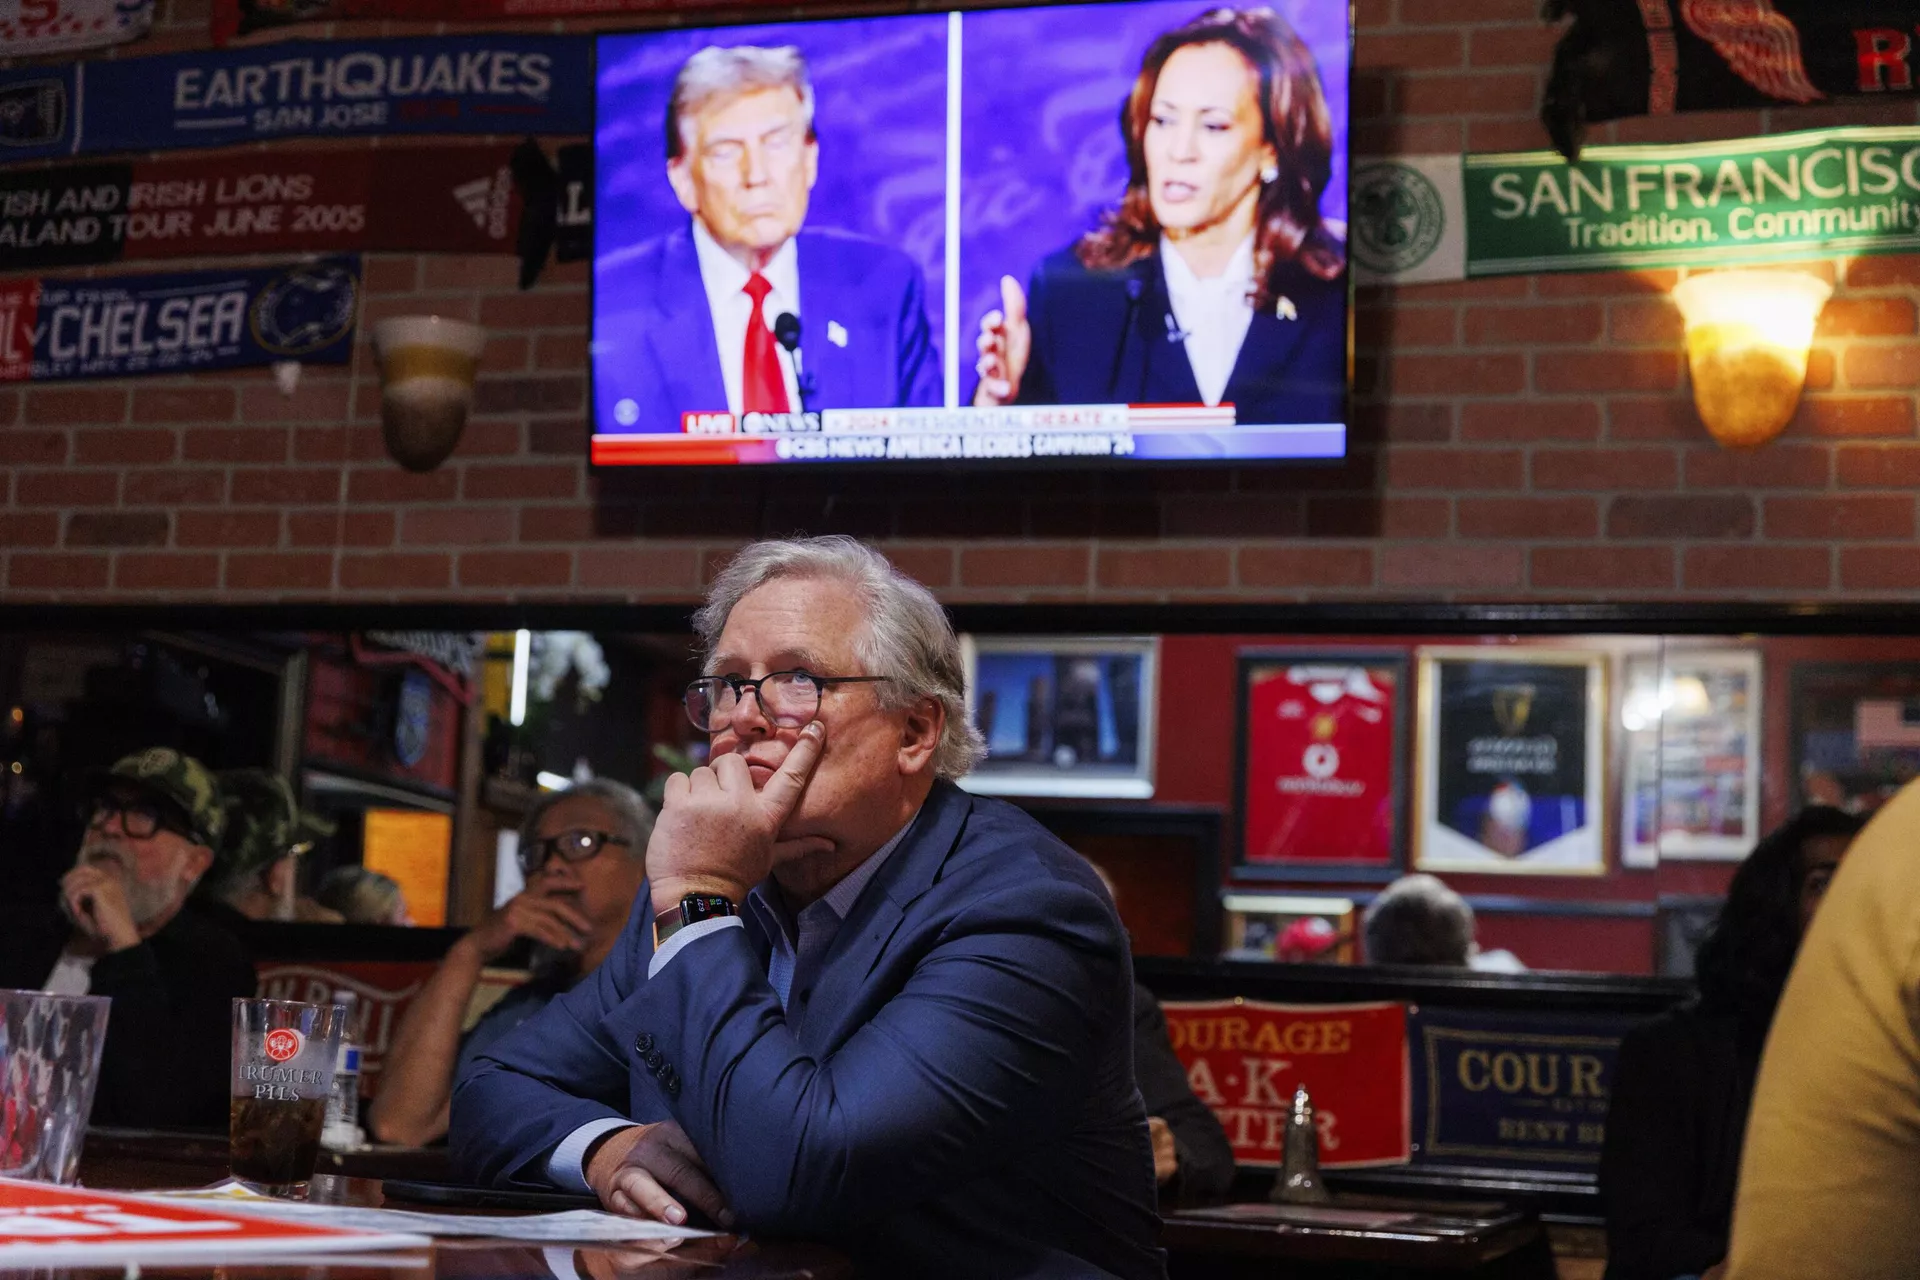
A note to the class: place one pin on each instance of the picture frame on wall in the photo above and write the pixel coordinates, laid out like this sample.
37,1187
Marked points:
1320,778
1510,761
1692,729
1855,735
1066,716
1290,928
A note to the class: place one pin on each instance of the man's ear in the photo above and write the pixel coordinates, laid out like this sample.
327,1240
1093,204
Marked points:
682,183
199,858
920,735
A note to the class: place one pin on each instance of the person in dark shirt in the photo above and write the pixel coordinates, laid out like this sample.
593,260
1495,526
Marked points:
121,928
1685,1080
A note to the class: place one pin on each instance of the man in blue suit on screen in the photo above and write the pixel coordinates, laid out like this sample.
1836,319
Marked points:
855,1003
741,309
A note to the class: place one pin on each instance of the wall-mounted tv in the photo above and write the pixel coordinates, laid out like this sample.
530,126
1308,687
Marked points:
1065,233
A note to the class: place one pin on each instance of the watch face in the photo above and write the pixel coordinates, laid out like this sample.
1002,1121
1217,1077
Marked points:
705,906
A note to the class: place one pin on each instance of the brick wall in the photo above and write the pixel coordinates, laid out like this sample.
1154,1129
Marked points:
1513,438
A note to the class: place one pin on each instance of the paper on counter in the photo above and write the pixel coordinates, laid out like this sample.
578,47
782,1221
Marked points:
574,1226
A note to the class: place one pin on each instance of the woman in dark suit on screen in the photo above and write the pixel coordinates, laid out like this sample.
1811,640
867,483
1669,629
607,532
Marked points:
1216,281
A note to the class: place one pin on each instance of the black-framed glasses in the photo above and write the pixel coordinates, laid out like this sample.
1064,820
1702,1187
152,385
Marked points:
572,846
788,698
139,819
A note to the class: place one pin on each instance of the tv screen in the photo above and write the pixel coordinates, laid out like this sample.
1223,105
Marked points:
1064,233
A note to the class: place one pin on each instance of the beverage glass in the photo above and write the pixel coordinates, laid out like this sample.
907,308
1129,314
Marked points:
50,1054
283,1060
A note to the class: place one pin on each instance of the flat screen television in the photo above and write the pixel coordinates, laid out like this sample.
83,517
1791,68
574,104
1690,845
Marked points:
1070,233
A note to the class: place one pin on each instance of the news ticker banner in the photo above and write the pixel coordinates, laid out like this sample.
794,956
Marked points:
1512,1089
1817,193
182,322
500,83
31,28
1245,1057
1194,433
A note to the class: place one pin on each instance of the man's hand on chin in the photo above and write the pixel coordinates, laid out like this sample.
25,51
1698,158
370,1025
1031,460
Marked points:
639,1172
716,833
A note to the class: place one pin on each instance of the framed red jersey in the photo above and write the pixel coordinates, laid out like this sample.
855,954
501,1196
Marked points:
1321,782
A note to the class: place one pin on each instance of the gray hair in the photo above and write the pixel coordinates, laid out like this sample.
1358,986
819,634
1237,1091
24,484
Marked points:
634,814
908,636
1419,920
715,73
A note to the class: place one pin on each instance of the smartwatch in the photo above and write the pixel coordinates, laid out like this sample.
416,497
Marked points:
693,908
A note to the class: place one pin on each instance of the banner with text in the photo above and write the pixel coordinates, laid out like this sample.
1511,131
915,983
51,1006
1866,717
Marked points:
499,83
441,199
1819,193
1512,1089
29,28
185,322
1244,1058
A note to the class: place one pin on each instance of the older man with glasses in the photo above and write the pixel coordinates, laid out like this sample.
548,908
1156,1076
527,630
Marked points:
122,928
865,1006
581,851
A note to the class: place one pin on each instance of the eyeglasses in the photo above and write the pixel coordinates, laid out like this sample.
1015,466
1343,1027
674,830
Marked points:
788,698
139,819
572,846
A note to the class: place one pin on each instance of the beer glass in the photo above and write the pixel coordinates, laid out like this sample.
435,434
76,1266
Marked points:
50,1054
283,1061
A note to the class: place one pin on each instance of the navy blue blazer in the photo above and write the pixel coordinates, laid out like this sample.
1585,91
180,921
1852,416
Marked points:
957,1100
864,338
1109,337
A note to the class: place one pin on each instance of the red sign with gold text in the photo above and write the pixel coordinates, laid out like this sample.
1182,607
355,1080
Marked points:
1244,1058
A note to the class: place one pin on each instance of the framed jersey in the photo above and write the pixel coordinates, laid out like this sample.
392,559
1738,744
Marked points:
1321,783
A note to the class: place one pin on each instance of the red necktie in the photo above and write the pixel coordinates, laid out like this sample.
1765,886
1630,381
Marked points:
762,389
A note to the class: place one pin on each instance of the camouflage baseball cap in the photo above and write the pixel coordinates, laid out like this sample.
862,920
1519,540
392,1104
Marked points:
181,781
264,822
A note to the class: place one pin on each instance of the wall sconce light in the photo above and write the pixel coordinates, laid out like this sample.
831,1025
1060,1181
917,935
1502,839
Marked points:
427,365
1747,338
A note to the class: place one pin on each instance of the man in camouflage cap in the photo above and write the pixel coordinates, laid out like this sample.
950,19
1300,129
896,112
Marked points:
257,864
121,928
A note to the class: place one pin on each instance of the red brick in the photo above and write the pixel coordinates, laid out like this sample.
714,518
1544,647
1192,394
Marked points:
1883,364
539,481
256,529
460,526
1601,568
1457,375
338,444
1422,49
165,571
459,306
1858,415
391,570
555,352
285,485
1248,515
1527,519
495,439
506,353
1879,569
283,571
1691,515
1777,466
65,488
484,272
356,528
29,529
117,529
653,568
1370,516
10,402
316,399
1305,566
1521,134
1770,568
1438,567
524,394
1164,568
121,446
1878,272
1027,565
48,406
391,484
515,568
1401,327
1628,468
572,522
1403,422
1524,421
1605,284
1860,516
1820,366
237,444
535,311
1445,291
396,273
179,487
930,566
1618,370
184,404
57,570
1478,93
1654,418
1577,322
1526,46
1446,13
1413,467
1865,317
1648,322
32,448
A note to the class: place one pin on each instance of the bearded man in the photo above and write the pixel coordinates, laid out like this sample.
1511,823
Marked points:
121,928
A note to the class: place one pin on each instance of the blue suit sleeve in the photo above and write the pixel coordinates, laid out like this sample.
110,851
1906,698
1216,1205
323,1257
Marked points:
987,1049
921,382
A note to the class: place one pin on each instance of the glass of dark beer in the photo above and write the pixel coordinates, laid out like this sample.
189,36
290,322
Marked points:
283,1062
